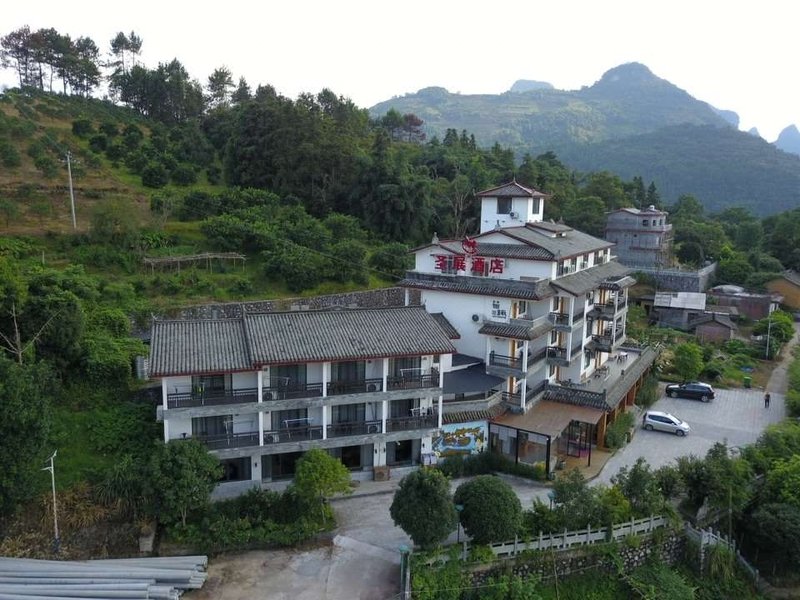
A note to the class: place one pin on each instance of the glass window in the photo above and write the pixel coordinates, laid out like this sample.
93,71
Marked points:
645,222
503,205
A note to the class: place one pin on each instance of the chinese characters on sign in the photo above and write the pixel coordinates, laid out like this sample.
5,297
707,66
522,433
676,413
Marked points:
478,264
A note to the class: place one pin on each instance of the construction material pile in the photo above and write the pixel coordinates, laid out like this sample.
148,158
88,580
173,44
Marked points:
161,578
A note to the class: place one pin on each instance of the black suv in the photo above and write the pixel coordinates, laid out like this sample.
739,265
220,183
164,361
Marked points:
693,389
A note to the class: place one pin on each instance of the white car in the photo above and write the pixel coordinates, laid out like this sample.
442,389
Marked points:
662,421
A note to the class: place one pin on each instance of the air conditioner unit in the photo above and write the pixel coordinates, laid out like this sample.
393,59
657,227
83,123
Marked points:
373,428
513,215
372,387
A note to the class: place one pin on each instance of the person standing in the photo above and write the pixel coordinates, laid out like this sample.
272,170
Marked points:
766,400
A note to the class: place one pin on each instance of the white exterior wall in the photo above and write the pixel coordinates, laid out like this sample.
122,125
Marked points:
374,369
245,423
178,385
243,381
522,207
177,427
459,308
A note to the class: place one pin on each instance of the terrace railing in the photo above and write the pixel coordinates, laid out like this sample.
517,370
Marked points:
201,397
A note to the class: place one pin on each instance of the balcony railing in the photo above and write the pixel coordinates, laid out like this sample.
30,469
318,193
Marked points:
293,434
507,362
511,398
353,428
291,391
534,357
559,319
230,440
340,388
412,382
200,397
409,423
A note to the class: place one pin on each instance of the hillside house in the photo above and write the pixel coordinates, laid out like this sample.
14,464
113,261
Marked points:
787,286
643,237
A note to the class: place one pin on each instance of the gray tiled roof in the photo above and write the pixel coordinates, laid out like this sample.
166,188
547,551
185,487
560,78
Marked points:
342,335
551,226
523,251
572,243
468,416
196,347
483,286
247,343
590,279
446,326
515,330
512,188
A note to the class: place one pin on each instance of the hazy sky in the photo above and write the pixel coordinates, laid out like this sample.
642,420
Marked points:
740,56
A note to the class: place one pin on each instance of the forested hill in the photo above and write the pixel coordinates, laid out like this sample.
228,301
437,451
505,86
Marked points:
609,126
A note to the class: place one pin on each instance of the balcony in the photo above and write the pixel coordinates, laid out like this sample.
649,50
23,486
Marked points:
411,423
293,434
504,361
211,398
292,391
230,440
556,355
610,309
535,357
413,382
561,321
363,386
353,428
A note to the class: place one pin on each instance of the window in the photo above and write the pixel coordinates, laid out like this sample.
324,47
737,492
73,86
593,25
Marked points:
535,205
504,205
522,308
645,222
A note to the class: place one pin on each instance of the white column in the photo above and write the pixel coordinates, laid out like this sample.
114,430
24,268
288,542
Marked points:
260,383
385,374
164,406
324,422
384,413
439,411
255,468
326,376
523,389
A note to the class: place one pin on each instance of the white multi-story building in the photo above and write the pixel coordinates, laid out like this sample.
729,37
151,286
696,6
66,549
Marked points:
513,345
543,307
260,390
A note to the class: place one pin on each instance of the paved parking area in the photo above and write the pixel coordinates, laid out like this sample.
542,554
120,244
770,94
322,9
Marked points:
736,416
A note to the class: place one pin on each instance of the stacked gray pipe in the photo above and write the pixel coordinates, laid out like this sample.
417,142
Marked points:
158,578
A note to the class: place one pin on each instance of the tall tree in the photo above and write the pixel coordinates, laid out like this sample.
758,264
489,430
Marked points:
219,86
423,507
16,52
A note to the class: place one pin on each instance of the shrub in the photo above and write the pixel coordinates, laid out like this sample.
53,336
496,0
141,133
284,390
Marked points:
82,128
183,175
617,432
154,175
491,512
9,157
109,128
214,174
46,165
98,143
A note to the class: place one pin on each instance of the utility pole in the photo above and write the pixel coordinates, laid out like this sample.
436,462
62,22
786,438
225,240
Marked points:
71,193
56,537
769,327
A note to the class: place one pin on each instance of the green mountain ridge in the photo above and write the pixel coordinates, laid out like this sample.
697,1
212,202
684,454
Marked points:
612,124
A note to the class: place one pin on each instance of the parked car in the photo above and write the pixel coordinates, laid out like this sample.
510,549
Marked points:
662,421
694,389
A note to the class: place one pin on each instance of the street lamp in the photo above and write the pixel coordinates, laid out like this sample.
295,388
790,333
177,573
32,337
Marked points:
52,469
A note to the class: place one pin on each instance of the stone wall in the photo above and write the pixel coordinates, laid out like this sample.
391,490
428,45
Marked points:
380,298
680,281
667,549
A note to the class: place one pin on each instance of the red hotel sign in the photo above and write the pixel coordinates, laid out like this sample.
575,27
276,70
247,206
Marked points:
445,262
